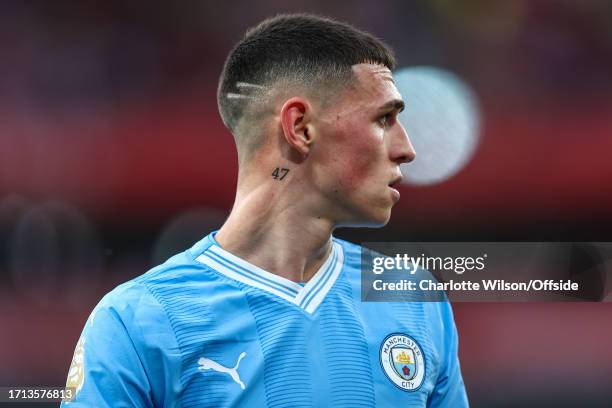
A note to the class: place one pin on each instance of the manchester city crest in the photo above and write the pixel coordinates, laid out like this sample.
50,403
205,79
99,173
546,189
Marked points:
403,361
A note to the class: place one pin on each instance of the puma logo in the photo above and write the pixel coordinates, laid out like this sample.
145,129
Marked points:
208,364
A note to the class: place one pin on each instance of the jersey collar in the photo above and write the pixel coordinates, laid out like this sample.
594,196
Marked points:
307,297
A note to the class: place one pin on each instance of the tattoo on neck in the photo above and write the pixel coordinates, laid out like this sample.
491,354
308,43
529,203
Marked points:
280,173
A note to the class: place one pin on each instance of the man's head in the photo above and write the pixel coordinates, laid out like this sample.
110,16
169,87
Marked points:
318,94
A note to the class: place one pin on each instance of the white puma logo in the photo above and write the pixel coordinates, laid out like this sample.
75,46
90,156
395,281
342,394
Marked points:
208,364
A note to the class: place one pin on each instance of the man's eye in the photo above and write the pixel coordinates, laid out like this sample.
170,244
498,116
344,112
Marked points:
385,120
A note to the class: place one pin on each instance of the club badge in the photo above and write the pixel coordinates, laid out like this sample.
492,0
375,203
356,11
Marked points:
403,361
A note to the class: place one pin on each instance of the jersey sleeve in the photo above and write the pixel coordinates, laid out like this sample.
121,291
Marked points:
449,390
125,354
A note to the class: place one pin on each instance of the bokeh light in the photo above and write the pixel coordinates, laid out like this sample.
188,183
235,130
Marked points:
442,120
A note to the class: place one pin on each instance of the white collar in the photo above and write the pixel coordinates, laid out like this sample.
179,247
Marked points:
307,297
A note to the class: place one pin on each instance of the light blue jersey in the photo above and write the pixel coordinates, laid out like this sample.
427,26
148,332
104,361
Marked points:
208,329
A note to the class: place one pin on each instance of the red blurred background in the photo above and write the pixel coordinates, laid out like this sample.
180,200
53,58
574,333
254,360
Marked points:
113,157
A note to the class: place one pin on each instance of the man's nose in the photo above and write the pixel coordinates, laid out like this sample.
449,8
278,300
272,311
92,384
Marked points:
401,150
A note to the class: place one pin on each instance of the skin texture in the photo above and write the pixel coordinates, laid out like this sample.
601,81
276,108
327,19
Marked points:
356,163
342,156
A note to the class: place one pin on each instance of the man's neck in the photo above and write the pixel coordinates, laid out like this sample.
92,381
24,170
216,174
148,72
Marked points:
271,229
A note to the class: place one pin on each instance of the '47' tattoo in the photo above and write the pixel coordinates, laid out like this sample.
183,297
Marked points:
279,173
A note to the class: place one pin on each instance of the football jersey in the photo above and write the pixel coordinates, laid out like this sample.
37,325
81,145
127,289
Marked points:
209,329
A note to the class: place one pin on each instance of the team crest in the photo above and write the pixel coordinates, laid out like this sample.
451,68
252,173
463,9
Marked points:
403,361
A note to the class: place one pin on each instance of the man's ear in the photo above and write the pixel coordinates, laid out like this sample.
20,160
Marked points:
295,120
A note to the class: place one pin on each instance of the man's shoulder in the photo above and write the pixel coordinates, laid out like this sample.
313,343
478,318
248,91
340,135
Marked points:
165,281
434,309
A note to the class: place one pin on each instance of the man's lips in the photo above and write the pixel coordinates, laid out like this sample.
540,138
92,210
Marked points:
393,186
395,182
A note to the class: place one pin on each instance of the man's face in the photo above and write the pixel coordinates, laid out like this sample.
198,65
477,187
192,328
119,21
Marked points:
360,148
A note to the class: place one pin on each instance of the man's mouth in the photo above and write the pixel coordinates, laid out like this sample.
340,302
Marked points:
395,182
393,185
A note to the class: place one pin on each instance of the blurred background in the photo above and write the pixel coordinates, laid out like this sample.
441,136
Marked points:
113,157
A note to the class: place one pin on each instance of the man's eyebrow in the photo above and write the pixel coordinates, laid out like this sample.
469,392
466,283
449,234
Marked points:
397,104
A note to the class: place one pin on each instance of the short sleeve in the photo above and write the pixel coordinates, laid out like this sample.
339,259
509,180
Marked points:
127,355
106,370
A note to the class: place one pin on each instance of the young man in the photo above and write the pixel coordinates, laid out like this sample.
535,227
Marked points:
266,312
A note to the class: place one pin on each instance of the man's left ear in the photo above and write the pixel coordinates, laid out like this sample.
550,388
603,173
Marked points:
297,129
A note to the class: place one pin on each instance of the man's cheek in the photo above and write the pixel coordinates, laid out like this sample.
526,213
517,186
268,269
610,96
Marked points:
359,172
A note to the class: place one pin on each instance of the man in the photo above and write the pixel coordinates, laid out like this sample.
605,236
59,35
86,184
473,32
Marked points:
266,312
